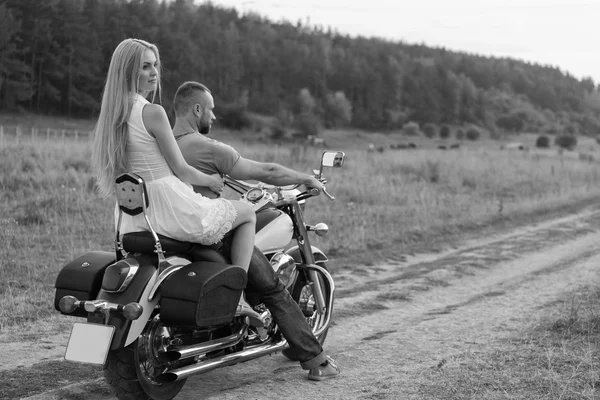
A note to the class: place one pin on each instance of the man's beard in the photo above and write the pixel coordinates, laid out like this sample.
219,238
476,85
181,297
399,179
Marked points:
204,128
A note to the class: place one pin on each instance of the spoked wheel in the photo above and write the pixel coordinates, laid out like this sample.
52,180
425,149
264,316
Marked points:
302,293
133,372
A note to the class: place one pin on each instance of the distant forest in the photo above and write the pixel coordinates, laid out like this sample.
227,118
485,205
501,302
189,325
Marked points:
54,55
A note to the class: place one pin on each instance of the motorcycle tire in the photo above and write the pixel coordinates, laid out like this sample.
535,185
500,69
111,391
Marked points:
124,373
302,294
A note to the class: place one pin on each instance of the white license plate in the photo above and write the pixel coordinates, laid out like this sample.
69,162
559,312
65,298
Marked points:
89,343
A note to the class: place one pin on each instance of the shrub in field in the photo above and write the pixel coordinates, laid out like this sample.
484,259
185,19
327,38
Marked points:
566,141
460,134
430,130
307,125
338,110
542,142
445,132
411,129
472,133
277,131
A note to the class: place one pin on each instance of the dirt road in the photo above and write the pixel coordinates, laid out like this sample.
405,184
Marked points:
396,322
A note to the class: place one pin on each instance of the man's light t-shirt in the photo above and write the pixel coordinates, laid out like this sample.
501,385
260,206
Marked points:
207,155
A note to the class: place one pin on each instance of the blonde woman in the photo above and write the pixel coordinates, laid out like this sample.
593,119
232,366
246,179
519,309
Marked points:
134,135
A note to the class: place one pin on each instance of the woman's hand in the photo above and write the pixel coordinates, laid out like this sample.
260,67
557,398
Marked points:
216,183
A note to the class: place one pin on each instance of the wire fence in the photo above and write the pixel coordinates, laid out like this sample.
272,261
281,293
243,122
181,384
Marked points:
17,134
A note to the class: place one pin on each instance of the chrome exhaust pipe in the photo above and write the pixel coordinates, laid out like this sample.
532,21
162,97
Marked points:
179,353
227,360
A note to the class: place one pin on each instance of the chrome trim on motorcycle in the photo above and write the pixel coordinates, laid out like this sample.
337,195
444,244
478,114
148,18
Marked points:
132,199
179,353
227,360
327,310
321,229
132,311
131,271
166,272
283,264
130,274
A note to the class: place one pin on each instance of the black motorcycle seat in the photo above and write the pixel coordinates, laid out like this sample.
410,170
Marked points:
143,242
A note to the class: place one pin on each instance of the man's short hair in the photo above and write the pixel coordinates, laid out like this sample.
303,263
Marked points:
185,96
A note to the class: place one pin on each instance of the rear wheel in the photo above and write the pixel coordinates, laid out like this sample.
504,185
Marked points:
133,371
302,293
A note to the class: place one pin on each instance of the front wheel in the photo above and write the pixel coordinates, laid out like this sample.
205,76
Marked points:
302,293
133,371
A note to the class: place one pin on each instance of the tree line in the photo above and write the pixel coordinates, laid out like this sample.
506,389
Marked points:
54,55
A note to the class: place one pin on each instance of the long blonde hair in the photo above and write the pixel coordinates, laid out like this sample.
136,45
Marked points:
109,156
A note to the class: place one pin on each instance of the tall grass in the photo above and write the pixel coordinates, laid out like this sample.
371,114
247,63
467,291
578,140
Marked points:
50,213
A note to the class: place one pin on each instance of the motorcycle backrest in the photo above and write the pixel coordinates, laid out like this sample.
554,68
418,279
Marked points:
132,197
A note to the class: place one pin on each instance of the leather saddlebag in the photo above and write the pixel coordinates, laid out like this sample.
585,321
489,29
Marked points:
82,278
202,294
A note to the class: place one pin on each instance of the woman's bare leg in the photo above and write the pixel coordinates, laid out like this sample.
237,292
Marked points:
244,226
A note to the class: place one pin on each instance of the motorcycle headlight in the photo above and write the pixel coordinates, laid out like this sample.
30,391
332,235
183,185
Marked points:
283,265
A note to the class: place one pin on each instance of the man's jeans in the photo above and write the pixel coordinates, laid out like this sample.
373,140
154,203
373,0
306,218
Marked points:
263,282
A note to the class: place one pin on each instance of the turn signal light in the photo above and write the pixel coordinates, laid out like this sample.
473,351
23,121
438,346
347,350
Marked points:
132,311
68,304
321,229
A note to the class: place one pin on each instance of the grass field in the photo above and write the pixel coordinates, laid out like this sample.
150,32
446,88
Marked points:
387,203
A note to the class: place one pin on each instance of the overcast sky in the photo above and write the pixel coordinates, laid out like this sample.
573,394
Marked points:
561,33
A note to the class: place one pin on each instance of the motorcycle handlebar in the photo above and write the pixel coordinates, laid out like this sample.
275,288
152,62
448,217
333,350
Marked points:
242,186
314,192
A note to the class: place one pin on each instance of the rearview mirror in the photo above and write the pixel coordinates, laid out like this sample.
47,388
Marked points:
333,159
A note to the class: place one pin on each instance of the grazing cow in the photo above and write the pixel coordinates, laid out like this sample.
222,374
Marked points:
316,141
412,146
442,147
455,146
513,146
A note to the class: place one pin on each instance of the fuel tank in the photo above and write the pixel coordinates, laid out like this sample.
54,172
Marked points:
274,230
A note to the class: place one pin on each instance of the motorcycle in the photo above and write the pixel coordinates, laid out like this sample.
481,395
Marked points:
160,310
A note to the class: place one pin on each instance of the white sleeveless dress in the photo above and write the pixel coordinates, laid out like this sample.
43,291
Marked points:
175,209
